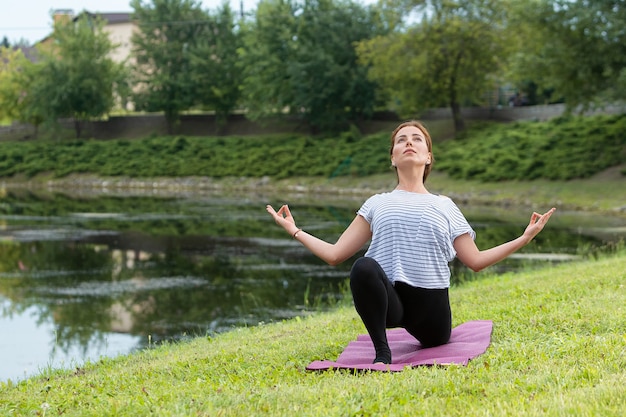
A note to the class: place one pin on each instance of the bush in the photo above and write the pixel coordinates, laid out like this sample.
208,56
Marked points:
560,149
564,148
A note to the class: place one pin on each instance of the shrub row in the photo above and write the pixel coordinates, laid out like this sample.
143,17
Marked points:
561,149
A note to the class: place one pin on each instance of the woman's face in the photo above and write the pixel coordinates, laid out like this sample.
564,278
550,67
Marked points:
410,147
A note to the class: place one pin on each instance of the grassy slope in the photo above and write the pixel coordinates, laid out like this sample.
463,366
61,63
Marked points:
558,348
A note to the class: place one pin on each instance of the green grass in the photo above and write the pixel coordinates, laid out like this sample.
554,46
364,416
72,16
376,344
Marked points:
558,349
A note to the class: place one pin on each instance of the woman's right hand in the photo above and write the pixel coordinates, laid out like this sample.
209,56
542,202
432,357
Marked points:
283,218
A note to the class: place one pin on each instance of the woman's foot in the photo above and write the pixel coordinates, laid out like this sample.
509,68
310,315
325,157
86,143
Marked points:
384,360
383,355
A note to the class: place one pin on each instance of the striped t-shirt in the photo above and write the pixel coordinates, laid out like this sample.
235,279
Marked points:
413,235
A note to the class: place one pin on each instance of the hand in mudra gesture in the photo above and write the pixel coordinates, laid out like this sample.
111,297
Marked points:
283,217
536,224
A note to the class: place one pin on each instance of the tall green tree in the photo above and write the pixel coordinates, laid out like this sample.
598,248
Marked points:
32,105
168,31
74,77
448,58
299,57
12,63
574,48
268,47
20,81
214,64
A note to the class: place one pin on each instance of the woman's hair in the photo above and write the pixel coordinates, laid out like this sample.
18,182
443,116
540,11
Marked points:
429,143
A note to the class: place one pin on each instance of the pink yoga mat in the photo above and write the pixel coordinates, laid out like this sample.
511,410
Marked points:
467,341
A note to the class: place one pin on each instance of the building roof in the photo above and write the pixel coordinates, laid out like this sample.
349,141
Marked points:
111,17
30,52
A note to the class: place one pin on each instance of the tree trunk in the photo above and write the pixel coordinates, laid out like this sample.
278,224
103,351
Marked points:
459,123
77,128
172,122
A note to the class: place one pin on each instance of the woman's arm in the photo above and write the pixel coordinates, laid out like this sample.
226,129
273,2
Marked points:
350,241
476,260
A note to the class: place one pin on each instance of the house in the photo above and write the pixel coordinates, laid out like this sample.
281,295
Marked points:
119,26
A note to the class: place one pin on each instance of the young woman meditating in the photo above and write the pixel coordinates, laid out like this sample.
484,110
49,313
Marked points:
403,278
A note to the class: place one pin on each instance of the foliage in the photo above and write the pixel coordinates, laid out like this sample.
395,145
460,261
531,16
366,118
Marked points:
277,157
560,149
563,148
12,63
552,341
575,50
213,64
168,30
76,76
448,58
267,47
299,57
22,84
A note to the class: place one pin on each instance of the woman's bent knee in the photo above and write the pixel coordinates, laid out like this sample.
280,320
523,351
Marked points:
365,269
366,272
364,265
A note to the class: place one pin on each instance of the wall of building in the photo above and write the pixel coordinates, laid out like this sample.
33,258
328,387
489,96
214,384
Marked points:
120,35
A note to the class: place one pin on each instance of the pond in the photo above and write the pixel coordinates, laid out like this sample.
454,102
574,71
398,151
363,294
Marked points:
90,276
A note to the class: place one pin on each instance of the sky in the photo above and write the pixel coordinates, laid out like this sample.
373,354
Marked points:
31,20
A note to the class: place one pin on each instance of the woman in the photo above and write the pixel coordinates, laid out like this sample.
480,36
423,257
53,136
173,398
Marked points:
403,278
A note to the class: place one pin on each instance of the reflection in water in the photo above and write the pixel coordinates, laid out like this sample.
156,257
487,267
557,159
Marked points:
108,275
29,344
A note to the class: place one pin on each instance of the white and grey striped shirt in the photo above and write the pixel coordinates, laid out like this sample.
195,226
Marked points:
413,235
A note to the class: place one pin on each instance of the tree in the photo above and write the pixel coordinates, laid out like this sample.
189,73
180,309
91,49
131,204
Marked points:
76,76
168,31
5,42
449,58
330,84
12,63
19,81
268,47
214,64
574,48
299,57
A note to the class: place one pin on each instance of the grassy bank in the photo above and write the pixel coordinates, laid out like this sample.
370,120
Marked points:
559,149
558,348
575,163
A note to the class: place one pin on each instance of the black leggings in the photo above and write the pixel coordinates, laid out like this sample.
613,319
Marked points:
424,313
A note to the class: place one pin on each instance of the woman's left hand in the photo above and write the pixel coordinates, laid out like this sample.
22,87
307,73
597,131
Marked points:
536,224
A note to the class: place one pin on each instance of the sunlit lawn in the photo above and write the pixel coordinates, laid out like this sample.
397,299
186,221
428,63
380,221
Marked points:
558,349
